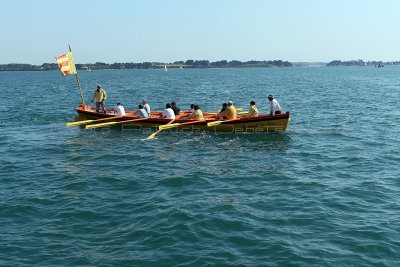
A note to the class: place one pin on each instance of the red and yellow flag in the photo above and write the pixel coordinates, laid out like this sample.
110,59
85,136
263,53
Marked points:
66,64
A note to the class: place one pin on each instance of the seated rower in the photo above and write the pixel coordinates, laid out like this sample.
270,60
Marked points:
197,113
191,109
142,113
253,111
120,110
230,112
175,108
224,106
146,106
168,113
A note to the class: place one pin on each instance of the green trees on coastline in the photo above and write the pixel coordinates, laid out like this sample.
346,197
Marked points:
360,63
151,65
190,63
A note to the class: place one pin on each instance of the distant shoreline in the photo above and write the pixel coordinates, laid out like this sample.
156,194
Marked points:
150,65
193,64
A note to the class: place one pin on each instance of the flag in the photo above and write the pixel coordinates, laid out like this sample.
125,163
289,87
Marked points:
66,64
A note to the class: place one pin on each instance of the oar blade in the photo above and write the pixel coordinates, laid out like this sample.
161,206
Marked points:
214,123
105,124
168,126
77,123
151,136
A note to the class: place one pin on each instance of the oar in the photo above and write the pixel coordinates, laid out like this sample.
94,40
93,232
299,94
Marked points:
77,123
173,125
214,123
160,129
113,123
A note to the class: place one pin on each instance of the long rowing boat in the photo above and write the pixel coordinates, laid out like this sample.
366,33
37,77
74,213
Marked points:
262,123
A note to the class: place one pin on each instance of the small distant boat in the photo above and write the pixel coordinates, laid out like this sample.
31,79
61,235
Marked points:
89,69
180,68
165,67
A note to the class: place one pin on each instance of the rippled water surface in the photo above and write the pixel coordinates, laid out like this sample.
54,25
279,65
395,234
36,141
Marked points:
325,193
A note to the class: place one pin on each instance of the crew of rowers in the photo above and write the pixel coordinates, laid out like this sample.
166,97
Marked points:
228,110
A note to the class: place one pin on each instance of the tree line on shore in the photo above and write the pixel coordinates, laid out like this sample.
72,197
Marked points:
151,65
185,64
360,63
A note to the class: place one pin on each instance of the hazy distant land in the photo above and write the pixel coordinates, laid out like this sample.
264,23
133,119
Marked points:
151,65
192,64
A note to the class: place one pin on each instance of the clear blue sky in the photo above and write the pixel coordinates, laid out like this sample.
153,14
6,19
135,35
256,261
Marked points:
170,30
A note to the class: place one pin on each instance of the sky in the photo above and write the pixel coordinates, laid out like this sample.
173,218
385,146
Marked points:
34,32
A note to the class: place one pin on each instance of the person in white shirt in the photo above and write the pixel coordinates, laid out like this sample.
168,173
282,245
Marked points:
146,106
274,107
120,109
168,113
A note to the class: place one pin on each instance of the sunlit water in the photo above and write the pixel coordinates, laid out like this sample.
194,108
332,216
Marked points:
325,193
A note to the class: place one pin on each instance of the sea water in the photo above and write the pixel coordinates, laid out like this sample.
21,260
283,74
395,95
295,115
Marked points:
325,193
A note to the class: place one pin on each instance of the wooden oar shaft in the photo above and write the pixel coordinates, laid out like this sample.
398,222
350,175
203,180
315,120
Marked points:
160,129
180,124
113,123
77,123
214,123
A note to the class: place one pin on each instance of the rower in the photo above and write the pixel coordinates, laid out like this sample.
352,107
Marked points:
253,111
230,111
168,113
175,108
197,113
120,109
142,112
146,106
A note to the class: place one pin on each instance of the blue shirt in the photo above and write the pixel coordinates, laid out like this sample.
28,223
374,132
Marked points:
143,113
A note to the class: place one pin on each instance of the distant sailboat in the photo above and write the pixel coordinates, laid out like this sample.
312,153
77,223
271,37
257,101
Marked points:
88,69
165,67
180,68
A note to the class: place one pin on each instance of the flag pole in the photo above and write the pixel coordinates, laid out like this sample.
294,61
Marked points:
78,82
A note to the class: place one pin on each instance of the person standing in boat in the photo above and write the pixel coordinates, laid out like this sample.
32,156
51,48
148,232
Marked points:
120,109
168,113
175,108
274,107
142,112
146,106
253,111
100,96
197,113
230,112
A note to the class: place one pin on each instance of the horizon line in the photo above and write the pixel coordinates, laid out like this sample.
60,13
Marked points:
161,62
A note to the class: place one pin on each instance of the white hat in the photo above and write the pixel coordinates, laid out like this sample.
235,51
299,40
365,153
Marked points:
230,102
